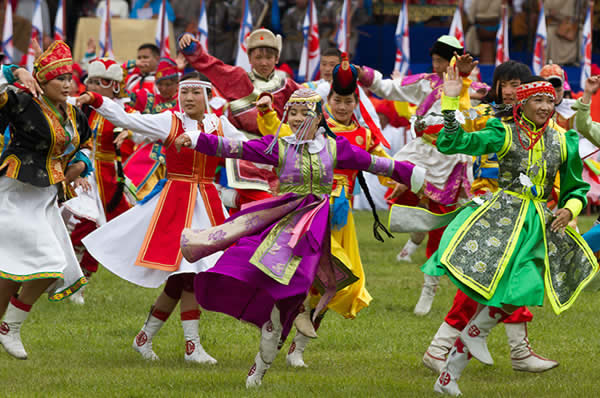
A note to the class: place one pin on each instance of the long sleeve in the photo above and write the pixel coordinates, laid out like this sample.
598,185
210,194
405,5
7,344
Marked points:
453,139
355,158
396,90
268,124
573,188
252,150
231,81
584,124
155,127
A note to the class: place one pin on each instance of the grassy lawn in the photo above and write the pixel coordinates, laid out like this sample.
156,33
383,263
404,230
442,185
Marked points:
86,351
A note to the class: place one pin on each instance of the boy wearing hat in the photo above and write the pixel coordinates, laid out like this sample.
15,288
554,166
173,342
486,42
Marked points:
563,106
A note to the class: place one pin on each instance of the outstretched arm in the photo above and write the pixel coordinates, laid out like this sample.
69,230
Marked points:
212,145
355,158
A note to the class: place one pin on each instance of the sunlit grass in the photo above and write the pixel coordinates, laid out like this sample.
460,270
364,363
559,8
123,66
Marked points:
86,351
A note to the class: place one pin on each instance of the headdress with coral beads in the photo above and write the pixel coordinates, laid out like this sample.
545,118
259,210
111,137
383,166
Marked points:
524,92
55,61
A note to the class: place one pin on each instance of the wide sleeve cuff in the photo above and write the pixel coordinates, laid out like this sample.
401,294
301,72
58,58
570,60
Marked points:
574,205
578,105
97,99
450,103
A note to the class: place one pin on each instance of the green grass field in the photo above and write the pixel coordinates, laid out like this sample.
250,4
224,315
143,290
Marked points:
86,351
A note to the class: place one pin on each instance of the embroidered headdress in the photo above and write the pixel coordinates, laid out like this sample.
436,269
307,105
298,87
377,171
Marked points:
167,69
527,90
55,61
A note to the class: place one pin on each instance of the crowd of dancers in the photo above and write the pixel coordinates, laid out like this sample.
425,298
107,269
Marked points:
233,192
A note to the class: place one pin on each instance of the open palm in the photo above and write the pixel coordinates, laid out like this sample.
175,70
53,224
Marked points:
452,82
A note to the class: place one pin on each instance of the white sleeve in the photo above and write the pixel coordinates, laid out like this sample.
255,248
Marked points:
394,90
155,127
194,135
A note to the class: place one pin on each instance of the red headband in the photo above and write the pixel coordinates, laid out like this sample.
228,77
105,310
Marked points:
524,91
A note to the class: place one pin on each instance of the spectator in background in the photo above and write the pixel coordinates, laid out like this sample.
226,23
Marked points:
291,26
330,18
118,8
481,40
562,19
146,9
141,71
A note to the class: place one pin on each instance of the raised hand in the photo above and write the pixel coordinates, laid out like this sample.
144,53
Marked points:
84,99
592,84
186,40
465,64
28,81
452,82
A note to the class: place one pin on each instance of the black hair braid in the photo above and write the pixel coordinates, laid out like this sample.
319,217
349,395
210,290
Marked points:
116,198
376,223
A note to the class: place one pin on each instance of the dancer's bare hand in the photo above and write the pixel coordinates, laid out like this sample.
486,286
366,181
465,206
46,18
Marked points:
396,75
465,63
561,220
28,81
186,40
183,140
452,82
398,190
82,183
84,99
592,84
123,135
264,103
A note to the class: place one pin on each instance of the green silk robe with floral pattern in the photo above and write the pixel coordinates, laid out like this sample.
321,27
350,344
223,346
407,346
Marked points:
503,252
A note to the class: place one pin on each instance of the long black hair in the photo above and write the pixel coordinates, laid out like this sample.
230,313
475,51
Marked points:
509,70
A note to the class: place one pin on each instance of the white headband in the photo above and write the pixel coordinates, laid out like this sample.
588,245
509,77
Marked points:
197,83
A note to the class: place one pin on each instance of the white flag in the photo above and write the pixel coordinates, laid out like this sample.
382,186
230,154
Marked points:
310,59
241,58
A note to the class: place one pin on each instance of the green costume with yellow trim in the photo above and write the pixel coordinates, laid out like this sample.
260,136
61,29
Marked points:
503,252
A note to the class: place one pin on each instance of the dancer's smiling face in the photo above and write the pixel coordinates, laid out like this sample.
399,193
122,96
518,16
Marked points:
297,114
538,109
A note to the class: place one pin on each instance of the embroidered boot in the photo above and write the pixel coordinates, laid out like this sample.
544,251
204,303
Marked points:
405,254
269,346
10,328
143,341
435,356
522,356
430,285
458,359
294,356
474,335
303,322
194,352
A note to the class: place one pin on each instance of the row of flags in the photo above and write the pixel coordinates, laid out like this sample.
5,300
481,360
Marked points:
310,58
402,62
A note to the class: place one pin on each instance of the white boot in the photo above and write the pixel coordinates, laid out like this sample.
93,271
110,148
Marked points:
474,335
194,352
303,323
407,251
269,346
522,356
257,372
435,356
77,297
10,331
143,341
458,359
294,356
430,285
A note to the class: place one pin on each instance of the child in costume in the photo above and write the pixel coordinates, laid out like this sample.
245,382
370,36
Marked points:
142,245
510,250
45,154
276,249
